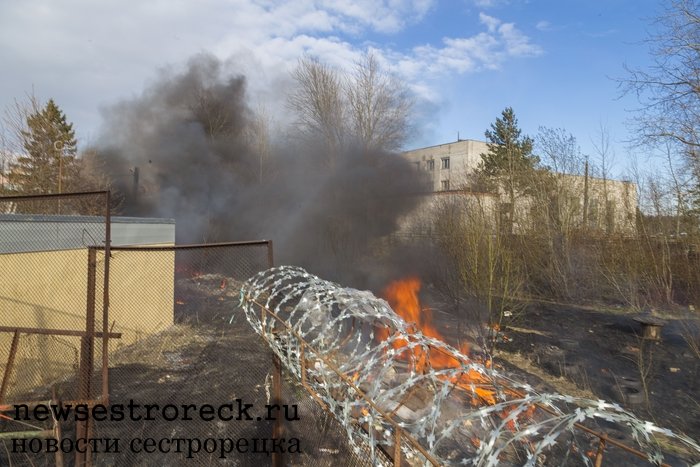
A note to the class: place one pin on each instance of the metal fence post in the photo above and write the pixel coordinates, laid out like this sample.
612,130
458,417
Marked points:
82,429
270,257
277,458
105,301
8,367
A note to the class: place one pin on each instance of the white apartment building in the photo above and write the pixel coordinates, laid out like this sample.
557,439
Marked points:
597,204
449,164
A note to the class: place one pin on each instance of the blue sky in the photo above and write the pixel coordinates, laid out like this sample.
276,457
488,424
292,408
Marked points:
554,62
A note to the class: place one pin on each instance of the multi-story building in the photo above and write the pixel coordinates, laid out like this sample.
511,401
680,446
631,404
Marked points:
448,165
575,201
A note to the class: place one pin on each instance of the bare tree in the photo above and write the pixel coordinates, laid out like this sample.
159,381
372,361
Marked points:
669,90
557,210
6,157
380,105
366,106
14,122
560,151
483,281
319,104
606,159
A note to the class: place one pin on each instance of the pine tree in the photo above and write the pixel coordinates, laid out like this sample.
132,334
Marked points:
509,163
49,164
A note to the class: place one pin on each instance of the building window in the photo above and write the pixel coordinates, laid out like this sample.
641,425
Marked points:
445,185
445,162
430,165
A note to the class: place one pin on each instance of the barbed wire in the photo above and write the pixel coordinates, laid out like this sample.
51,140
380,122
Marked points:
378,374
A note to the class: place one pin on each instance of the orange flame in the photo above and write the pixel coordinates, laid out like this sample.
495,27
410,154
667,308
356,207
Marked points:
402,295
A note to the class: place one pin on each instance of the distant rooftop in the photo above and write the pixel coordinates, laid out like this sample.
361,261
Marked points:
448,143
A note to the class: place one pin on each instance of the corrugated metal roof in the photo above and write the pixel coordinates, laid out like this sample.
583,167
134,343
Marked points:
21,233
83,219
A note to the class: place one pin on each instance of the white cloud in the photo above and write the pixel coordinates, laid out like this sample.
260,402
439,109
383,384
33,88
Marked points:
490,22
517,44
485,3
543,25
384,16
485,50
86,54
493,4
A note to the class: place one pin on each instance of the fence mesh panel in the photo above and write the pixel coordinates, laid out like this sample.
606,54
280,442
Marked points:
177,339
48,309
208,355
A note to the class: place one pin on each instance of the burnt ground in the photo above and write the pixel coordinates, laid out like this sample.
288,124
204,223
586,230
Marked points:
604,353
206,359
601,354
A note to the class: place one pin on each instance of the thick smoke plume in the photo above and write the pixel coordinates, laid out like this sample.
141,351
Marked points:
189,138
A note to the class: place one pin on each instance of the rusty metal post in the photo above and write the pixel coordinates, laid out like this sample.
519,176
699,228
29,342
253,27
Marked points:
105,301
599,454
277,428
57,429
8,368
270,257
303,364
82,429
397,446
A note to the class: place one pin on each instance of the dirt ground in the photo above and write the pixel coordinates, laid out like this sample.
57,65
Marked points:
604,353
601,354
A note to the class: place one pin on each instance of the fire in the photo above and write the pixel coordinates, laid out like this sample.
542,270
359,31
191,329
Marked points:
184,270
402,295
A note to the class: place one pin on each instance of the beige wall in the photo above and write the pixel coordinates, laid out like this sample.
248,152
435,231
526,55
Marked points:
612,204
141,293
49,290
44,289
464,156
420,222
611,208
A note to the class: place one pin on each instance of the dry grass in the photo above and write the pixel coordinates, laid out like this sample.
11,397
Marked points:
691,335
560,384
528,331
151,349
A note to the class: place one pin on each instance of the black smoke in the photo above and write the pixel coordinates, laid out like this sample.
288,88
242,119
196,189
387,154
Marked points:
189,137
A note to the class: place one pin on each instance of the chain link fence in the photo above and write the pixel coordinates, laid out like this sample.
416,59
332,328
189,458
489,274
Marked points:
189,381
208,359
50,302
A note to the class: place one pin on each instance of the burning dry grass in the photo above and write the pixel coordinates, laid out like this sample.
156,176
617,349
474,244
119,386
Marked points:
402,296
